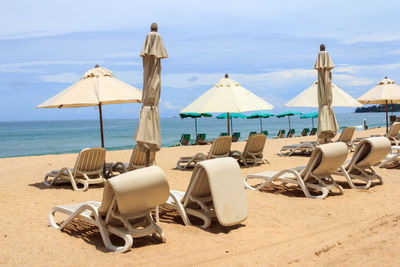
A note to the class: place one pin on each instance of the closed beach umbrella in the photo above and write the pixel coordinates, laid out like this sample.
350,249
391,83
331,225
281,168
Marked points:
227,96
288,113
311,115
231,115
309,98
260,115
195,116
327,124
148,134
97,87
385,92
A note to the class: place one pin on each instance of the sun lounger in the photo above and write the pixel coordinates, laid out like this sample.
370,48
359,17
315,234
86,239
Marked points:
305,132
253,150
88,170
265,132
125,210
220,148
200,139
290,133
185,138
215,190
345,136
392,135
137,161
369,152
313,131
223,134
392,160
281,134
235,136
324,160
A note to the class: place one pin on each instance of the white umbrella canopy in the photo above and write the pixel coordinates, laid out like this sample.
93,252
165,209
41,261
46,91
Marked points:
225,97
97,87
385,92
309,98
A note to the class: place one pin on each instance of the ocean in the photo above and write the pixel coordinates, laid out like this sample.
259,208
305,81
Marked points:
30,138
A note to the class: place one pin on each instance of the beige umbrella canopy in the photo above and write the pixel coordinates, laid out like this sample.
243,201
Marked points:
327,124
225,97
97,87
148,134
385,92
309,98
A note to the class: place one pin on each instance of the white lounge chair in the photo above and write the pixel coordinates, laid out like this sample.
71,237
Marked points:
324,160
392,135
215,190
220,148
137,161
392,160
369,152
125,210
88,170
253,150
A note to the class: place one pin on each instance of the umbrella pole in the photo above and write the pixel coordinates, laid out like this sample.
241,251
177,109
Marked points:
231,126
261,124
101,126
195,126
289,122
387,124
312,120
227,120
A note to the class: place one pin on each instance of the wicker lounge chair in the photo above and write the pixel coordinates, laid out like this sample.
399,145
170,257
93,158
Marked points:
220,148
125,210
215,190
88,170
369,152
253,150
137,161
324,160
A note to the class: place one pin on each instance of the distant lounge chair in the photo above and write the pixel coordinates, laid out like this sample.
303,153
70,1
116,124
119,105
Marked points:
223,134
219,148
313,131
369,152
215,190
125,210
235,136
305,132
185,138
392,135
88,170
281,134
265,132
346,136
290,133
317,175
253,150
137,161
200,139
392,160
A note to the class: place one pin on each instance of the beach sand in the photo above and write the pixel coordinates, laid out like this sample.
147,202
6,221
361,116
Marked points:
361,227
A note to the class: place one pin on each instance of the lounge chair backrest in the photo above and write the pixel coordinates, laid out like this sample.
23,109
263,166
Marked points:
290,133
281,133
221,180
223,134
370,151
255,144
135,191
346,135
138,158
185,139
220,147
200,137
325,159
313,131
305,132
265,132
90,161
393,130
235,136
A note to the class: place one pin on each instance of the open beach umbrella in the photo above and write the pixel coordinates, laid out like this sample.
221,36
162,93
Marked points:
288,113
327,124
227,96
309,98
148,134
309,115
260,114
231,115
195,116
97,87
385,92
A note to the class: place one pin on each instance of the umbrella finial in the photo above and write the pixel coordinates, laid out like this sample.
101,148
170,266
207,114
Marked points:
386,77
97,66
154,27
322,47
226,75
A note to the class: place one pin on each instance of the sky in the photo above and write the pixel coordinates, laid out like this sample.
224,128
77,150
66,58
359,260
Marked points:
269,47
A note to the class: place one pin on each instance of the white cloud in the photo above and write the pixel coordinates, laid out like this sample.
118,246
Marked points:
68,77
168,105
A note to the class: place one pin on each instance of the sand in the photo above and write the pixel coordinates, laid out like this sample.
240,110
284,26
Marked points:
361,227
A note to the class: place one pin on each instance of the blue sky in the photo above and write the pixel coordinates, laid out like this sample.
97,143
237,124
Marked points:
267,46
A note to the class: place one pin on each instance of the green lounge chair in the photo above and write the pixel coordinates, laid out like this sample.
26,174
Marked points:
223,134
265,132
235,136
290,133
281,134
313,131
305,132
200,139
185,138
